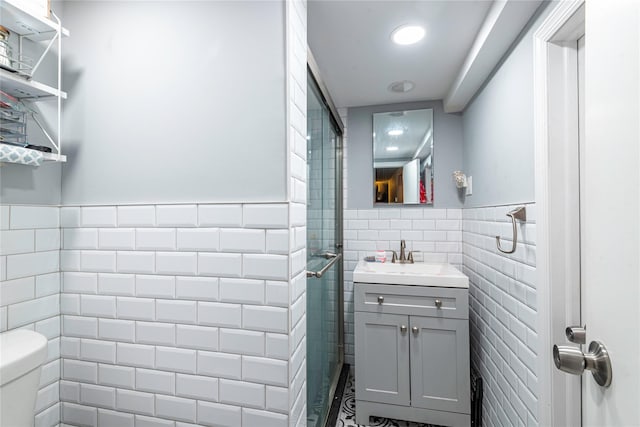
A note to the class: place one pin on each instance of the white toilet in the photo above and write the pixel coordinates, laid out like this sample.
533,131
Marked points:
22,352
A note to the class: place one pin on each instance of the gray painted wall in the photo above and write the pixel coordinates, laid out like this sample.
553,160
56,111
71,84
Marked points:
446,159
174,102
498,127
28,185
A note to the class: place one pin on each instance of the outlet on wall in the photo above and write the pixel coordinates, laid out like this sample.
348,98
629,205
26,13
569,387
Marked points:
469,186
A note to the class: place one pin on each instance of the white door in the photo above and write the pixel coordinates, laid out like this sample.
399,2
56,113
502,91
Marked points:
611,201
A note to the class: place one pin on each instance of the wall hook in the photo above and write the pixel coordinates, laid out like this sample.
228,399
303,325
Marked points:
521,214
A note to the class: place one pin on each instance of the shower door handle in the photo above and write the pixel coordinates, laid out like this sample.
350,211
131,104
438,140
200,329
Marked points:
318,274
327,255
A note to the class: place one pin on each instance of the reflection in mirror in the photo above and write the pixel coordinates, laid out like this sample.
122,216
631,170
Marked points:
403,157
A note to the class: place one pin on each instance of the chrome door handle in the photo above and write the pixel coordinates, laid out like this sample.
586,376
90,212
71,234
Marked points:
415,330
403,329
573,361
380,299
438,303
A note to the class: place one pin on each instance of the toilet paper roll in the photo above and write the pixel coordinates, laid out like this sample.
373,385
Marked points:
23,156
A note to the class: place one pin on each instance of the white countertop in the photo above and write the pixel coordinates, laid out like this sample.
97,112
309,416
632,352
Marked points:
417,274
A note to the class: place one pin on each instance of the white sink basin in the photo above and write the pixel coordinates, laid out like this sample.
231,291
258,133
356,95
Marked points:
418,274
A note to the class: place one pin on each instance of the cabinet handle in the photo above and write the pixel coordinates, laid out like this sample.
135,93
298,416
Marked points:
403,329
415,330
438,303
380,299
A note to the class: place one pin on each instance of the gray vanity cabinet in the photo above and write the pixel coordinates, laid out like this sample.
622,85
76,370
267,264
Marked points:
383,351
412,353
440,364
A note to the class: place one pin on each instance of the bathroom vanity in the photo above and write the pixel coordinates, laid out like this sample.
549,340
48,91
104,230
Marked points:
412,343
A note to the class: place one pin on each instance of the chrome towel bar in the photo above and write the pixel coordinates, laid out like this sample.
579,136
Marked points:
520,214
318,274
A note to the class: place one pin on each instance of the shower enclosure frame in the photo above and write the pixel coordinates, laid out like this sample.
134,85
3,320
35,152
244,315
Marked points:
336,122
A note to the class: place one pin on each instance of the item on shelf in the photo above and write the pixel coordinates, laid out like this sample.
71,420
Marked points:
13,126
9,61
5,49
13,120
39,148
10,102
37,7
20,155
15,144
22,65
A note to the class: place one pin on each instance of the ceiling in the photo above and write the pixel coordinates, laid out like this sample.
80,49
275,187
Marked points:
350,41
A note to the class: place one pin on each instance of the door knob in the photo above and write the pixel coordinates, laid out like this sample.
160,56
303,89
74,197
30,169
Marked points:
403,329
576,334
569,359
415,330
573,361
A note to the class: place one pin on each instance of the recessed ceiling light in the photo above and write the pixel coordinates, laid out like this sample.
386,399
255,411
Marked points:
392,148
401,86
407,34
395,132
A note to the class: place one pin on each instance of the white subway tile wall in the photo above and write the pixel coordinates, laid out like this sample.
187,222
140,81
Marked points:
30,290
503,314
169,315
435,235
290,345
503,296
170,324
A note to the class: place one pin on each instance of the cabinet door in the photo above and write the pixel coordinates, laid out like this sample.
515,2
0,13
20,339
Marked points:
440,364
382,358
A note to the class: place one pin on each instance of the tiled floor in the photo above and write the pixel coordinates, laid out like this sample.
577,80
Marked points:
347,417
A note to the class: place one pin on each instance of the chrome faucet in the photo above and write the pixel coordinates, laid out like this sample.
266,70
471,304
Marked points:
403,245
403,259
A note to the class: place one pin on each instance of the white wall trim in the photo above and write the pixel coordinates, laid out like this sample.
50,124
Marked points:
543,38
501,27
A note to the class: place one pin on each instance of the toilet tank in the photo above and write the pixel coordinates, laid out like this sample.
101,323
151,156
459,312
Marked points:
22,353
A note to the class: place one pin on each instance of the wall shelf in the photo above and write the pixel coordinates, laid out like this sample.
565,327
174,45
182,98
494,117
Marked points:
26,25
53,157
22,88
20,21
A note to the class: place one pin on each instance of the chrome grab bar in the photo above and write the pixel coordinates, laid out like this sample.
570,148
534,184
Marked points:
333,257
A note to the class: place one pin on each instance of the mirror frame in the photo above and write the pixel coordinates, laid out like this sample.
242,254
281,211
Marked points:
428,202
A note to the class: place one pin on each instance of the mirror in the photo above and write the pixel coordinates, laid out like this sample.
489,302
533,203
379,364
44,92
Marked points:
403,157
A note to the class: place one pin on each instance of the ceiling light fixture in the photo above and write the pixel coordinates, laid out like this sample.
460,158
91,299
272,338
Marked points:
395,132
401,86
392,148
407,34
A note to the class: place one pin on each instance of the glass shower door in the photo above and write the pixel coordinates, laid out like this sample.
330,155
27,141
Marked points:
324,222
